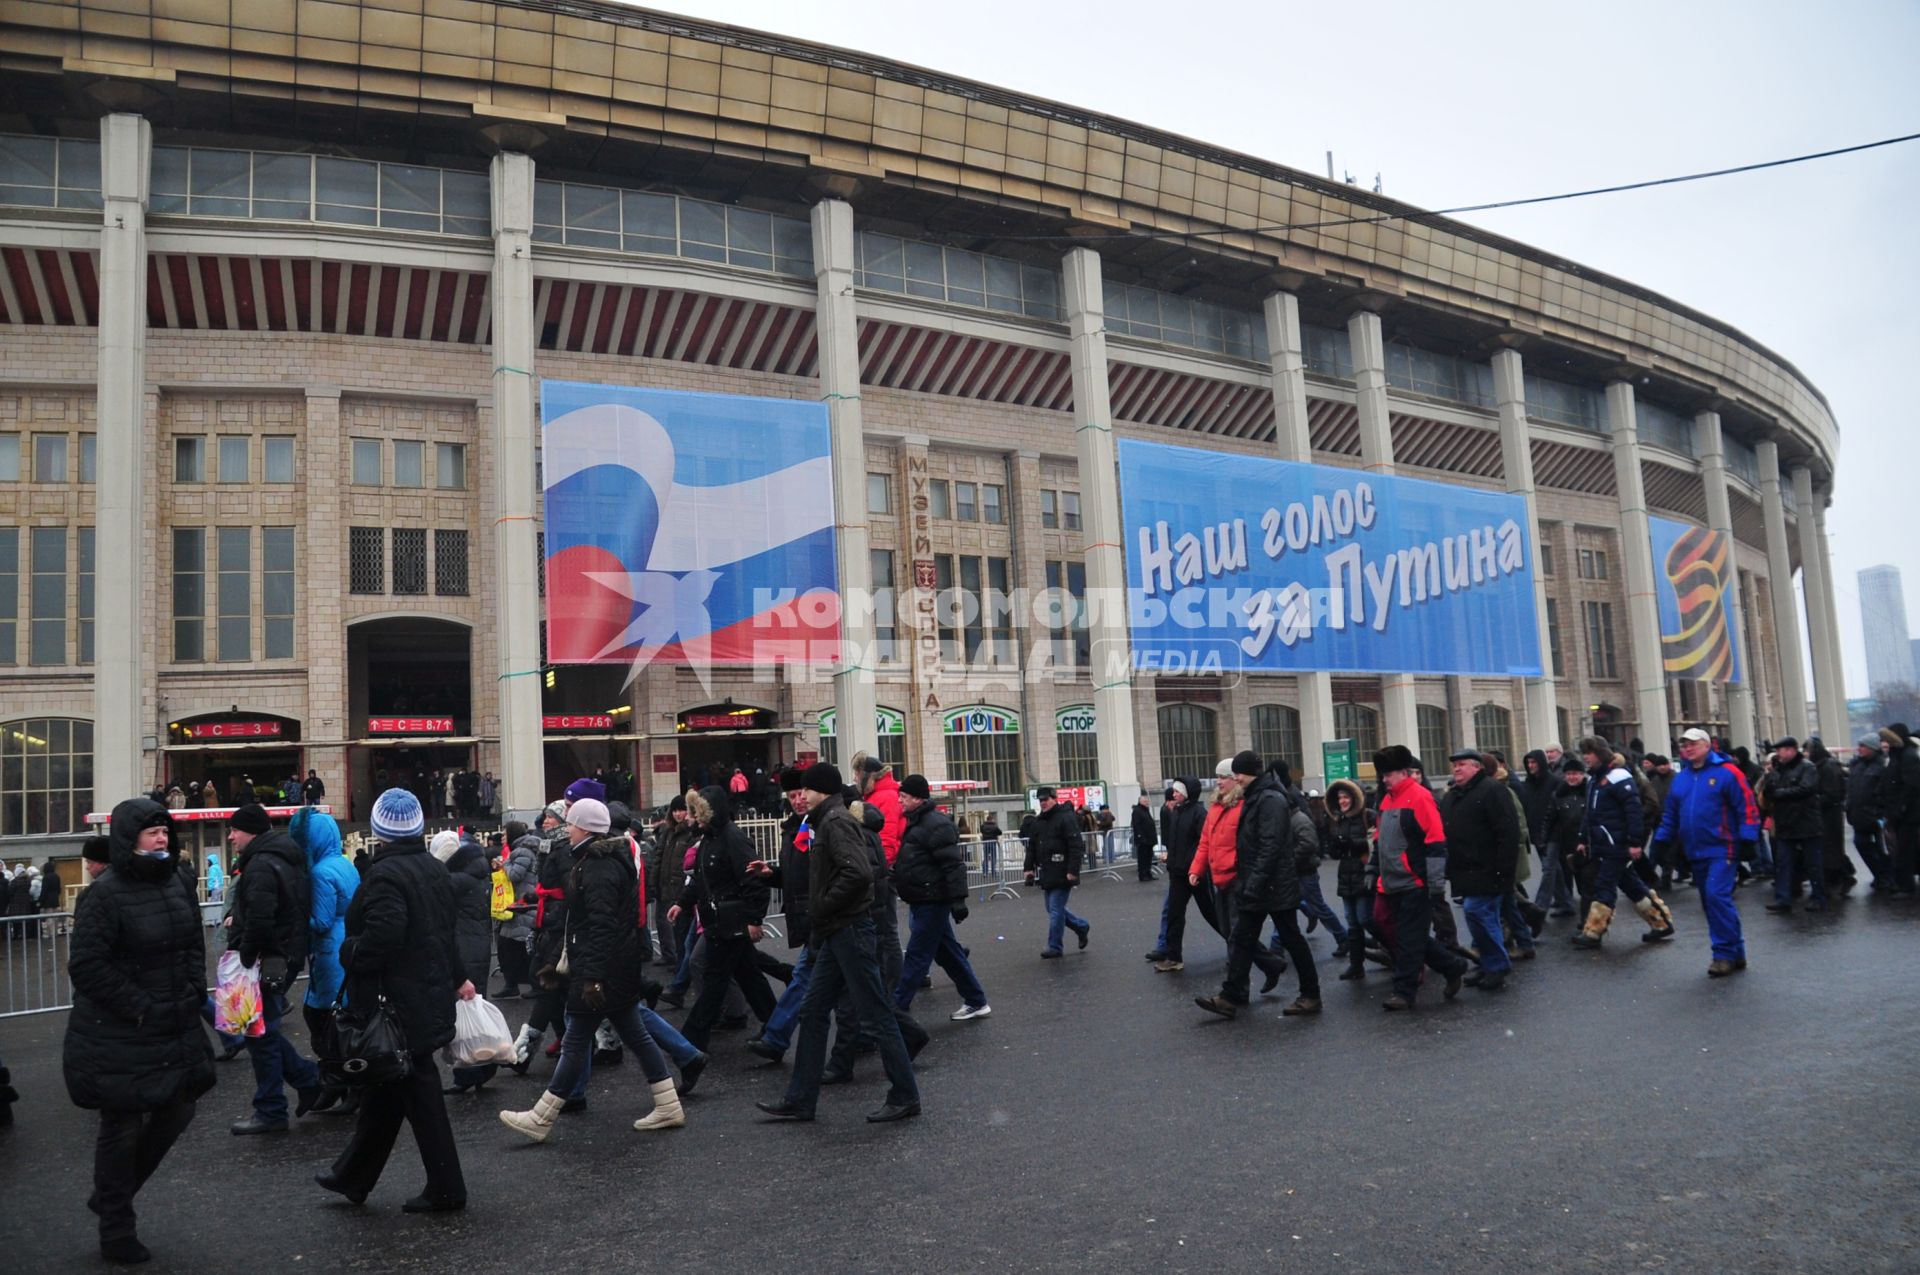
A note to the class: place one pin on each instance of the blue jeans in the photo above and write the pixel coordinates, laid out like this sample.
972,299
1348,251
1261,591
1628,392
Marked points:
276,1063
665,1035
1763,853
930,939
847,962
1516,925
1556,886
576,1048
683,975
1805,852
1059,918
1166,917
989,856
1483,922
1314,904
1714,879
786,1014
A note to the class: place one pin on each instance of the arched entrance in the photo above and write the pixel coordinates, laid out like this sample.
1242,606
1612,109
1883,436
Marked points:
246,755
717,738
410,710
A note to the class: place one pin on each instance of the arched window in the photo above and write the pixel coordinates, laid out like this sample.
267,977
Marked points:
1434,741
1360,724
1276,733
1493,731
46,776
1189,741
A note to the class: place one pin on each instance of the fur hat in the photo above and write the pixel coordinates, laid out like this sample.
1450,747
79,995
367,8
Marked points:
792,779
1394,757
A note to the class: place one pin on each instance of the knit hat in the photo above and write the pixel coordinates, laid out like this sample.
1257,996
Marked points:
514,830
1225,769
590,814
558,809
679,802
444,844
96,850
619,816
1574,766
396,814
1394,757
252,818
915,786
581,788
822,777
792,779
1869,741
1786,741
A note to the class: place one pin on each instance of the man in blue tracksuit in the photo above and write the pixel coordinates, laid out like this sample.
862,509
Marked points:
1709,809
1612,835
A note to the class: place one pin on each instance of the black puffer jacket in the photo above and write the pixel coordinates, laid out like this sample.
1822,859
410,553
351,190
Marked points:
728,897
841,880
1055,848
791,876
1180,828
603,935
1272,837
400,942
472,883
1792,791
138,963
1865,804
1483,836
930,868
1346,839
270,906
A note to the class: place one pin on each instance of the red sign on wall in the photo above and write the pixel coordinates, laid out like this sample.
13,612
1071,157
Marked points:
409,726
577,721
233,730
804,760
714,721
666,764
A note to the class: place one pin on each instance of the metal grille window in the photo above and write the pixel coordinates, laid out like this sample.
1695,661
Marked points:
973,609
9,595
885,635
236,454
450,466
890,264
540,556
190,460
990,759
366,462
1493,731
1197,325
1600,655
450,563
46,172
1580,406
202,182
279,455
1443,376
50,458
1359,723
409,463
583,216
409,560
366,559
1067,614
1189,741
189,594
276,590
47,593
83,591
1553,636
46,776
1328,352
1435,730
233,593
9,458
1276,733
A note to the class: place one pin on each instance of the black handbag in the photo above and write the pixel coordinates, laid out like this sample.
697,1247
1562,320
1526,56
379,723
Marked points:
366,1046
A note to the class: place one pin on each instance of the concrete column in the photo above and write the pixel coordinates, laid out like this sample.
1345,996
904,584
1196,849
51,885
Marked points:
1636,547
1710,445
1100,513
323,591
1828,694
121,673
1516,463
1786,619
1836,660
1397,692
515,335
1286,356
853,694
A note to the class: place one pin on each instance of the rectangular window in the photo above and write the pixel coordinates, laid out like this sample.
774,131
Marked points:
450,563
47,594
880,562
236,454
1593,564
9,595
992,506
366,560
279,457
990,759
409,464
1546,557
9,458
189,460
49,458
1553,636
233,593
409,560
89,458
366,462
939,497
973,608
1049,509
1070,510
83,592
1600,656
879,494
450,466
189,594
276,590
963,502
1067,616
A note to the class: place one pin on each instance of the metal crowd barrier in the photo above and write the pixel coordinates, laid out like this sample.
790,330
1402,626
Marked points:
33,963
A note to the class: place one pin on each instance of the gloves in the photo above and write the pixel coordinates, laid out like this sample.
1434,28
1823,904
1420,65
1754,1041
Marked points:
594,996
959,911
1029,878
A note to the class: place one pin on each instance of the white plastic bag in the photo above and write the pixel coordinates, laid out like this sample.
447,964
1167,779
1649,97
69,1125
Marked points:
480,1035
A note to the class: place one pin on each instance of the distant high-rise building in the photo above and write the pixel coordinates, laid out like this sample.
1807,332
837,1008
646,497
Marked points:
1883,615
1913,645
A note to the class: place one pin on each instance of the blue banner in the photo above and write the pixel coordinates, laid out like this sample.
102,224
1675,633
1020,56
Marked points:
1238,562
1693,580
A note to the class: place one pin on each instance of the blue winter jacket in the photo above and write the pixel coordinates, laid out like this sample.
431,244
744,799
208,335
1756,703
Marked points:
1709,809
1614,822
333,882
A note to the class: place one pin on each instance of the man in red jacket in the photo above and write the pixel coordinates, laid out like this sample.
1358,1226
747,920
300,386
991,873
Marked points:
879,789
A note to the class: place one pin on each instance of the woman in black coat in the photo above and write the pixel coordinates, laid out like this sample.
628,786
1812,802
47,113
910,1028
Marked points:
400,946
135,1050
471,876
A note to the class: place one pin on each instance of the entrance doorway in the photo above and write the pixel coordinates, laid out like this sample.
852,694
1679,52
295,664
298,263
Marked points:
420,768
407,675
717,739
247,756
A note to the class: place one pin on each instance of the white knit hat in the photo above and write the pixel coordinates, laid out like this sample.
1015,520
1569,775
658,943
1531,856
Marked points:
444,844
590,815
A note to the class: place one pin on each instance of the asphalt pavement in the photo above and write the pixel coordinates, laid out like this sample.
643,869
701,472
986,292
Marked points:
1610,1111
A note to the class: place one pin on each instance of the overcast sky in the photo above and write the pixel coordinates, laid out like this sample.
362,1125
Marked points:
1466,102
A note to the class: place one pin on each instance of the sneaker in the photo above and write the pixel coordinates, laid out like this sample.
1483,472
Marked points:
966,1012
1172,965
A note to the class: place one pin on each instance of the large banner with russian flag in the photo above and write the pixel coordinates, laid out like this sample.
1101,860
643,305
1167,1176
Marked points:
691,528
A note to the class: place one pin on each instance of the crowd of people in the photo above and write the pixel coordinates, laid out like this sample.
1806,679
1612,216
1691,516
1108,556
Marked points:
576,912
